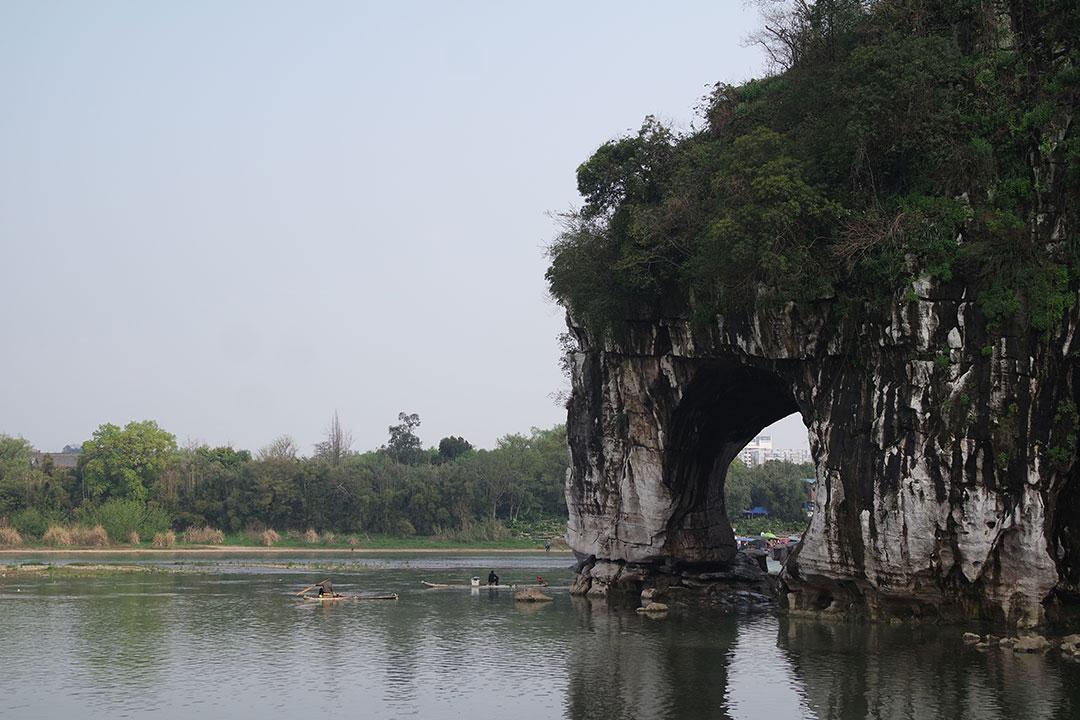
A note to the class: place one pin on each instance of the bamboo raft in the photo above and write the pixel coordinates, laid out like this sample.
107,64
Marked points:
335,598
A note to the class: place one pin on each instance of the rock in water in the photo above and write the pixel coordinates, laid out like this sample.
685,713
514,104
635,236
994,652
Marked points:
1070,647
531,595
1031,644
580,586
653,607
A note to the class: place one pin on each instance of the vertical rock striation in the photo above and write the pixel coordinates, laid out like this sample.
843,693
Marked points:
946,461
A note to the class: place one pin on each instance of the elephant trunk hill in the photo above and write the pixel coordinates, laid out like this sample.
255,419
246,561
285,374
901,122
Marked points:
880,237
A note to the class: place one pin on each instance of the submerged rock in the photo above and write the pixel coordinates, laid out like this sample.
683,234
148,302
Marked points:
653,607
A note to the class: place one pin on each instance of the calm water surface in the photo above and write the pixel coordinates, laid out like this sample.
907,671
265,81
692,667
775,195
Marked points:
226,638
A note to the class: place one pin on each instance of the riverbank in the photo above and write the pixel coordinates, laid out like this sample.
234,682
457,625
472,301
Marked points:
245,543
257,550
75,569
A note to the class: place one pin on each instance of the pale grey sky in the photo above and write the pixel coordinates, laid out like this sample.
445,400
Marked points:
236,217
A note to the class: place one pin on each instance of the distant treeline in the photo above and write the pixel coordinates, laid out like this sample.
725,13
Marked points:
136,479
779,487
398,489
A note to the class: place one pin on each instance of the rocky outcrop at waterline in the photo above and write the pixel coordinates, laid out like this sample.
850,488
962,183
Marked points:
945,457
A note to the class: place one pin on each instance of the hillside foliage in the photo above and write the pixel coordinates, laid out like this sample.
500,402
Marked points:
896,139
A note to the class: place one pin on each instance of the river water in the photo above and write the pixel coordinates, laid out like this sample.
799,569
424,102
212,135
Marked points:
226,638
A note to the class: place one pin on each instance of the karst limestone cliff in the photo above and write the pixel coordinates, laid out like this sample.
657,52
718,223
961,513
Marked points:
945,457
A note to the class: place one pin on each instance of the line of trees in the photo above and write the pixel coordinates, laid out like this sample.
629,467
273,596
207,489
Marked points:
137,479
777,486
401,488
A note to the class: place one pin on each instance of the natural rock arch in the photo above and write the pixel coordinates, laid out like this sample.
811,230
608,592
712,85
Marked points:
726,404
945,458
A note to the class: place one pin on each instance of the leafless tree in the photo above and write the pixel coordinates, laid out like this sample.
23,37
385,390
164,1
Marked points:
282,447
776,36
791,27
337,443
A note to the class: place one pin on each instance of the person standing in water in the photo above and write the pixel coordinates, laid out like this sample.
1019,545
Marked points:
493,579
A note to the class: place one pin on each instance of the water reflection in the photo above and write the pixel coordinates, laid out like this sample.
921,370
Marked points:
235,643
762,682
881,671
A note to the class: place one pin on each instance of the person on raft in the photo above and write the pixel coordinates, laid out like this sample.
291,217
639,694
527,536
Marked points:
326,588
493,579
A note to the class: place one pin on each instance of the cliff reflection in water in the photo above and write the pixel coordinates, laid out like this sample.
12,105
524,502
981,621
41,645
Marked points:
235,642
778,667
629,666
851,670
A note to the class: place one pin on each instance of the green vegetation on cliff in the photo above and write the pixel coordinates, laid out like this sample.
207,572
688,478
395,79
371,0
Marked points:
897,139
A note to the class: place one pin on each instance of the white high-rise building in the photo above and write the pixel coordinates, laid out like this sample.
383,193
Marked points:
760,450
755,451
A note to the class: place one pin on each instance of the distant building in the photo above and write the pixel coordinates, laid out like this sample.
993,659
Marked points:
754,452
791,455
760,450
756,512
69,458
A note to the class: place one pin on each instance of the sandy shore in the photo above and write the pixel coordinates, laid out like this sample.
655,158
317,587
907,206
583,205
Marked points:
252,550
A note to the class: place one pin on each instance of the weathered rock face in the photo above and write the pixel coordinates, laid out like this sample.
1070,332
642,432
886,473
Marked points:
946,460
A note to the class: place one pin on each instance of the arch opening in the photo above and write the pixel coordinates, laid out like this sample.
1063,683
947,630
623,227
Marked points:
724,408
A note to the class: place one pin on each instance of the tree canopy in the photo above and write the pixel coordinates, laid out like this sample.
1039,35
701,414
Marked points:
404,445
453,447
124,463
898,139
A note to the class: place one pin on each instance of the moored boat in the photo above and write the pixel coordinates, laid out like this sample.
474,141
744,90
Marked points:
439,586
458,586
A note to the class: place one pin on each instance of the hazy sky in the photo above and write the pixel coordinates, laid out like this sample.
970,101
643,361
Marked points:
236,217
